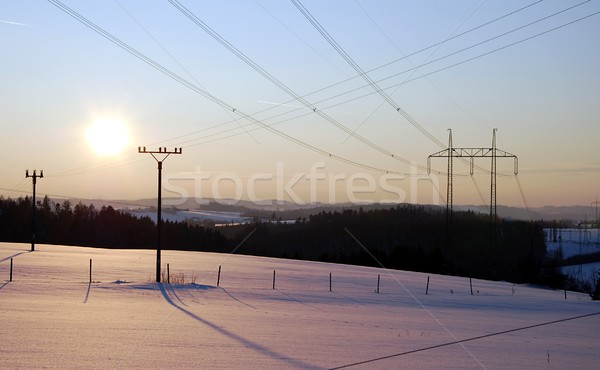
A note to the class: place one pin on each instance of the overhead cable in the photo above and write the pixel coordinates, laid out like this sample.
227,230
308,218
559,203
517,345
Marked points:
215,35
208,95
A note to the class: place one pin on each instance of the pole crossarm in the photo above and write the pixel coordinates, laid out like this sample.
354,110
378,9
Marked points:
161,150
34,175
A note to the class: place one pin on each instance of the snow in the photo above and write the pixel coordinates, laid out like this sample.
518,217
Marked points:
587,271
51,316
574,241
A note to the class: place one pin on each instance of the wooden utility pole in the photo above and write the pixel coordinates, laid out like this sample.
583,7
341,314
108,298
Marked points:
34,178
164,153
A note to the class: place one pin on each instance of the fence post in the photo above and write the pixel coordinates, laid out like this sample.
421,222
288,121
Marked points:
90,270
273,279
219,276
330,281
378,279
11,269
471,284
427,288
168,275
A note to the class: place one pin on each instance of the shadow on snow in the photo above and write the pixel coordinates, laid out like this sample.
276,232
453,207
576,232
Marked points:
245,342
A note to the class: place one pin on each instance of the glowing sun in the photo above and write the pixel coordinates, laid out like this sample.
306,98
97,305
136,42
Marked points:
108,137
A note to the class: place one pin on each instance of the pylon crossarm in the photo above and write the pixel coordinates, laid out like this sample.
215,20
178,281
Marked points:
441,153
473,153
502,153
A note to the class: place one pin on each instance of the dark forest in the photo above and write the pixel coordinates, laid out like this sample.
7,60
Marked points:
407,237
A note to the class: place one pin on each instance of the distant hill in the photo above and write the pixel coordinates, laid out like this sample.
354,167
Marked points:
571,213
289,210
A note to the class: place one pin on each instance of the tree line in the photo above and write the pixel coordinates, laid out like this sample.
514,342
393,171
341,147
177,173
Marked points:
408,237
88,226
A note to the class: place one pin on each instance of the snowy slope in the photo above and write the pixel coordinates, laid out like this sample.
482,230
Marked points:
574,242
51,316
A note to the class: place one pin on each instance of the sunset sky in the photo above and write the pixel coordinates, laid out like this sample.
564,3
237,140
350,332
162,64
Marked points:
221,80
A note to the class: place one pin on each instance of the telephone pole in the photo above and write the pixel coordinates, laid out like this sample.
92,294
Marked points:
34,178
163,153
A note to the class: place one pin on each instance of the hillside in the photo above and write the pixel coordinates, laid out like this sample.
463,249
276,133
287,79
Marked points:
54,317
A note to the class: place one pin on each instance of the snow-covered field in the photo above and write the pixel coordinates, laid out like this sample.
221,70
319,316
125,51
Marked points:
575,242
587,271
51,316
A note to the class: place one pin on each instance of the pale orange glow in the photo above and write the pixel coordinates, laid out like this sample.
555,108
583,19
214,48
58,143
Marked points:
108,137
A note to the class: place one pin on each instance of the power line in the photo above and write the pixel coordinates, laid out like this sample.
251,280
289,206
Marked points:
419,66
235,51
205,93
312,20
82,169
439,43
523,197
299,38
427,58
175,60
364,75
425,49
96,167
376,87
333,105
392,62
477,188
453,54
68,197
379,90
438,59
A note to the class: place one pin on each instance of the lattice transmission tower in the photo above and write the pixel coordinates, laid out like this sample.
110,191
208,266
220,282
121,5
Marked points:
490,152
